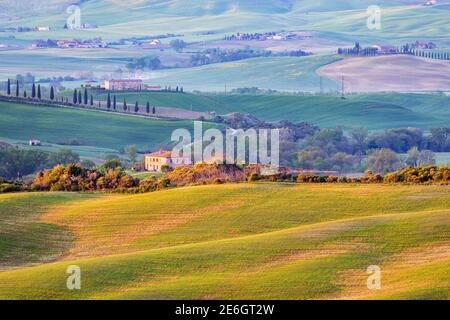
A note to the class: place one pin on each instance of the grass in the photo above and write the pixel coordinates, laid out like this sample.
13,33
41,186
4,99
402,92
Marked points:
375,111
144,175
443,158
101,134
96,129
144,18
96,154
277,73
249,241
399,25
24,239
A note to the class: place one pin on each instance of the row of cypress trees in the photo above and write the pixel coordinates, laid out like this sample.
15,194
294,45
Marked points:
35,91
82,98
112,103
79,98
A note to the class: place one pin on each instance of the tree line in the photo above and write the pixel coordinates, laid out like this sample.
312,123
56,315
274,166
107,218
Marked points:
79,98
218,55
358,50
17,163
332,149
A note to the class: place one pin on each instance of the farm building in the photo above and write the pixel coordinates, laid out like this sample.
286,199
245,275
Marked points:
124,84
34,142
152,88
430,3
43,28
156,160
385,49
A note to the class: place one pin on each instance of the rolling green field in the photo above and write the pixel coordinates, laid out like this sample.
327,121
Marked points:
100,133
279,73
210,21
244,241
344,19
375,111
97,129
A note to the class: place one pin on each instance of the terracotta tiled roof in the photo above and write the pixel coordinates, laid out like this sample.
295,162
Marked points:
125,80
160,153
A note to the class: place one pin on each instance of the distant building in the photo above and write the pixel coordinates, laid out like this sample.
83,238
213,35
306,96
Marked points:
424,45
92,43
385,49
34,143
154,44
152,88
80,27
156,160
430,3
43,28
67,43
39,44
124,84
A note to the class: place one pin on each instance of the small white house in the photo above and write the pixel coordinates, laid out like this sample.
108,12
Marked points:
34,143
430,3
44,28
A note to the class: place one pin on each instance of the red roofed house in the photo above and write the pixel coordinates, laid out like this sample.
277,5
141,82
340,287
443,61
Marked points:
124,84
156,160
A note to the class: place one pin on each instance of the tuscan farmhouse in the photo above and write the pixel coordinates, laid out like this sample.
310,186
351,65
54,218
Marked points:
156,160
124,84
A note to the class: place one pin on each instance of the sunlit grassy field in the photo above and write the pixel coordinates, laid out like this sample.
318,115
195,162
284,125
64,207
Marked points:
95,129
244,241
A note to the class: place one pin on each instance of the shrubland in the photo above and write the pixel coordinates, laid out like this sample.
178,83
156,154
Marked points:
74,178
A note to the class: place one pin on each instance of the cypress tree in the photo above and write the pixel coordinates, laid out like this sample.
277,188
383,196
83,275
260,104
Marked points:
136,107
147,107
17,88
154,110
8,89
24,93
125,107
39,92
108,102
114,102
80,101
92,100
75,96
52,93
85,96
33,91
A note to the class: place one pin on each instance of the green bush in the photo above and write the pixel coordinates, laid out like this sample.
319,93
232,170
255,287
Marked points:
9,187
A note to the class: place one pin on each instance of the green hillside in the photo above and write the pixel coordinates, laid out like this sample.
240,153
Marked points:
101,133
283,73
263,241
139,18
20,228
194,8
99,129
399,25
375,111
